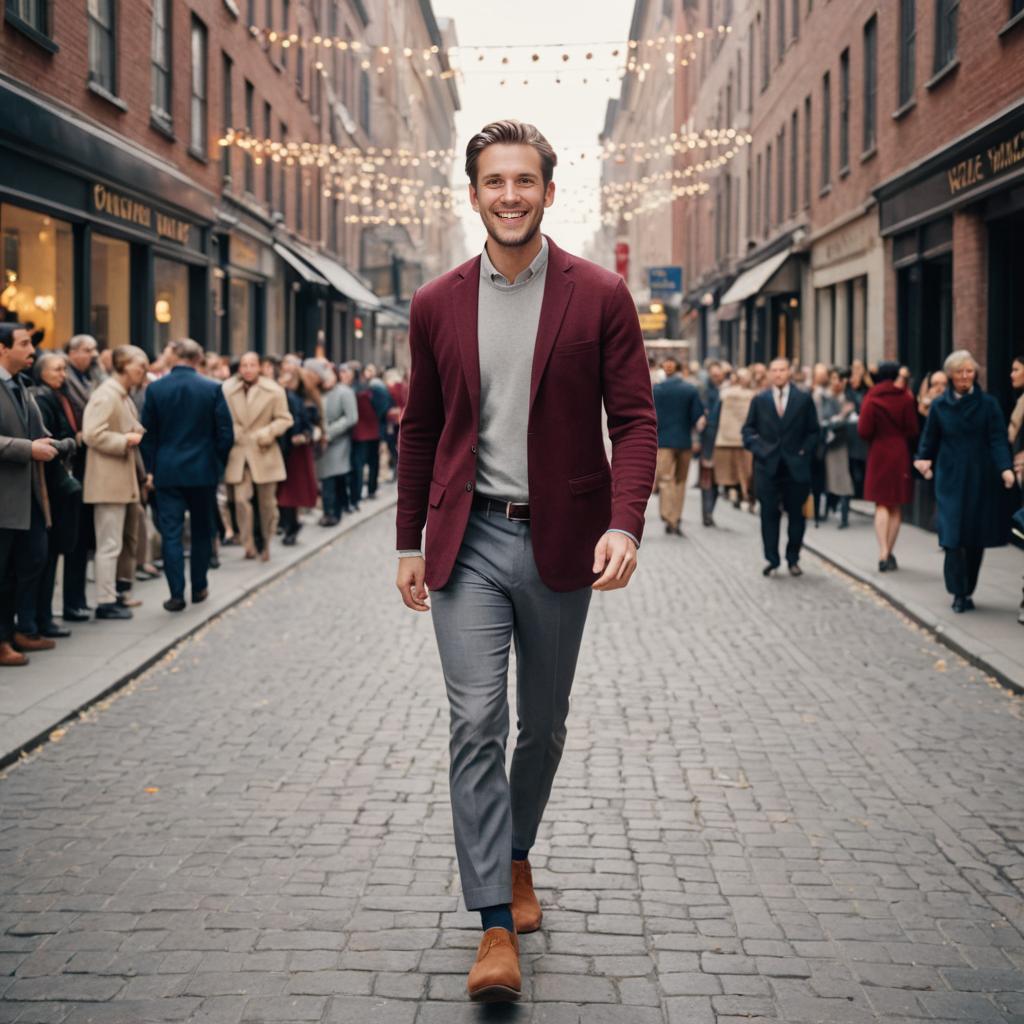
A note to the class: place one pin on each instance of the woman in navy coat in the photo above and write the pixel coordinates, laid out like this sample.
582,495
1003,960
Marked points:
964,444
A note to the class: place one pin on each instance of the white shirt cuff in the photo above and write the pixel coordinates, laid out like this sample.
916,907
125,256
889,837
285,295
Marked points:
627,533
410,554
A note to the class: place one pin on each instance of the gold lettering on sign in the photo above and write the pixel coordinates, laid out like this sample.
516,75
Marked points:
965,174
131,210
1007,154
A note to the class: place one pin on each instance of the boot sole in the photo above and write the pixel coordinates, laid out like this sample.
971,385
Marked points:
495,994
527,929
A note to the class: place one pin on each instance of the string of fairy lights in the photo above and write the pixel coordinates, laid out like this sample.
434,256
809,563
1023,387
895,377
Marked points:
363,179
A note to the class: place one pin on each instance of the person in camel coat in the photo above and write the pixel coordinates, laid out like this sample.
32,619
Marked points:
259,414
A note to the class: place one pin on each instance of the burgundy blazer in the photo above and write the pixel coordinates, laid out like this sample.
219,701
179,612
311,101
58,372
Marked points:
589,350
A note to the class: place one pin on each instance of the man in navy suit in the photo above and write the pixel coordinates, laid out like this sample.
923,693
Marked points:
187,440
679,410
782,431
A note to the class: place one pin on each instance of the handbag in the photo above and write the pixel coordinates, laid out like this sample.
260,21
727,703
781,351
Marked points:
65,487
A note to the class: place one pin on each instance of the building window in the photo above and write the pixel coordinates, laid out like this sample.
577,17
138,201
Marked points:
286,20
796,19
197,129
109,294
750,68
300,66
946,16
282,180
780,205
160,102
826,129
364,102
844,111
226,113
750,203
33,13
757,198
766,48
793,164
268,164
870,83
768,190
908,45
250,169
807,153
782,29
37,268
300,198
102,45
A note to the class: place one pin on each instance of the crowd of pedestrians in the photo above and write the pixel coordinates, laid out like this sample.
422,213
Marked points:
804,442
139,466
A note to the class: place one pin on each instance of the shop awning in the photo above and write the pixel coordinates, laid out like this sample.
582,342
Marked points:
389,317
341,280
751,281
303,269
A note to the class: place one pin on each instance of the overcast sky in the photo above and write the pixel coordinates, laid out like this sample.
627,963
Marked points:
571,114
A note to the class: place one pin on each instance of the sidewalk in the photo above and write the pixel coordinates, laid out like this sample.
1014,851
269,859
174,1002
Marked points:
990,636
100,657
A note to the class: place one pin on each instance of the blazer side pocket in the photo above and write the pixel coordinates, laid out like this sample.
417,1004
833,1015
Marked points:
590,482
436,493
577,348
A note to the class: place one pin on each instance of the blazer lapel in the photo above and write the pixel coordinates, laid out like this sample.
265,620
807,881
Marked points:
558,287
14,413
466,307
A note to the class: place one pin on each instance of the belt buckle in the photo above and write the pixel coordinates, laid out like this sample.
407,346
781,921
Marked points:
508,513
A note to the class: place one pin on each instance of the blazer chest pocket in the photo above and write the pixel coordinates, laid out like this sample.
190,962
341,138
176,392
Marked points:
590,482
436,494
577,348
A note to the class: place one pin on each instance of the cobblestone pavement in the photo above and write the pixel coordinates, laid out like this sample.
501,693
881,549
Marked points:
778,802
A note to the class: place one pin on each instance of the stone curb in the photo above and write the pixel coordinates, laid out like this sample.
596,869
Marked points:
214,610
990,661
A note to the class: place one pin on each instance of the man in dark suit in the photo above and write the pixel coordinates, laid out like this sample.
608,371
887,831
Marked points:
25,447
781,430
187,440
679,410
503,460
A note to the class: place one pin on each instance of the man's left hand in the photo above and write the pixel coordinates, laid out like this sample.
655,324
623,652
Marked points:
615,559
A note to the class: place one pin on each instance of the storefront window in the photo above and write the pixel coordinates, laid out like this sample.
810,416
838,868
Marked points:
170,307
37,273
109,278
240,312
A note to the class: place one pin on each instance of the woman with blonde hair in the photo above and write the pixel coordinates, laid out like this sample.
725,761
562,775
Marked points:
965,447
113,468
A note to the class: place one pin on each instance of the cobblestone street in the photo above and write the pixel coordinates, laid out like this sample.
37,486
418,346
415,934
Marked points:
779,802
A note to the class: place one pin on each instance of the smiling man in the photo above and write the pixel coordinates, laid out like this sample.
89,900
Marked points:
503,460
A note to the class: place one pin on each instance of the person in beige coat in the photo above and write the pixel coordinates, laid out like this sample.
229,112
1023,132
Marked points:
112,434
734,466
259,414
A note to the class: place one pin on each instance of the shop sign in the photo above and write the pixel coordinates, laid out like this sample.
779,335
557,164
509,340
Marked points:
653,322
968,169
665,281
137,214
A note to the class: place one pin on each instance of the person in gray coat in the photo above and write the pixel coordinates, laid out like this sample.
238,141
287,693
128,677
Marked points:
334,460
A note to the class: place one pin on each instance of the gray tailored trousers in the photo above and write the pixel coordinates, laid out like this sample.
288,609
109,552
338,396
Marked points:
493,598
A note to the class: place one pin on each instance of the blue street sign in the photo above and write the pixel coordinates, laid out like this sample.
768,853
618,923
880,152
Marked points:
664,281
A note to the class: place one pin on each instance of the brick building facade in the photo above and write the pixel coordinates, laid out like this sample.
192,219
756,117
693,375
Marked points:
878,211
121,214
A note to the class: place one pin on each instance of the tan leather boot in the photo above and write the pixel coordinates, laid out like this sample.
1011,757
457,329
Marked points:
526,910
10,658
23,642
495,977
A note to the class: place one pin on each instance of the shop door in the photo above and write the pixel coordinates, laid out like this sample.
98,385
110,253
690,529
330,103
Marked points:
1005,304
926,315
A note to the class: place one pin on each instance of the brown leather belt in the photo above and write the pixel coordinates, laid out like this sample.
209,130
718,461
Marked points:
518,512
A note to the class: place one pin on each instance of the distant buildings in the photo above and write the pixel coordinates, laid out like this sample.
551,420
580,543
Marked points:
122,215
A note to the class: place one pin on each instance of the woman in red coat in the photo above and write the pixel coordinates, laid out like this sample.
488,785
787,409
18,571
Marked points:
888,422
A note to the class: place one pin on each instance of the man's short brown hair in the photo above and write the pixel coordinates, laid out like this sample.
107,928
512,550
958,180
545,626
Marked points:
510,133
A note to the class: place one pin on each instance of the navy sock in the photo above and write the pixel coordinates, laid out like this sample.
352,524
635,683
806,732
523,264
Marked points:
520,854
498,916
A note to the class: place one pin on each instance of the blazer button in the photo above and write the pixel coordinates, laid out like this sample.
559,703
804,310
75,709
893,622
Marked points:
472,448
469,486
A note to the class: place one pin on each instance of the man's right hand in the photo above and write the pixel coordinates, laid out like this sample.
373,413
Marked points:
410,583
134,439
43,449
